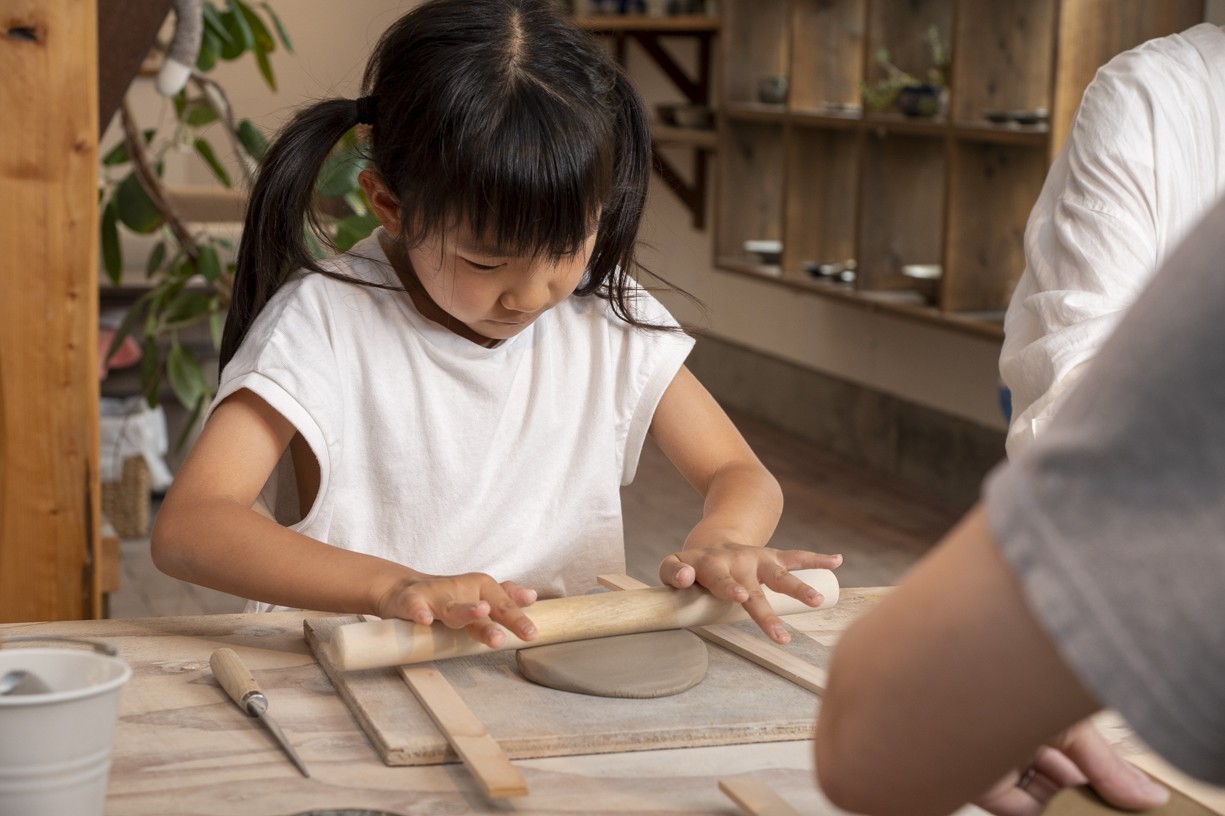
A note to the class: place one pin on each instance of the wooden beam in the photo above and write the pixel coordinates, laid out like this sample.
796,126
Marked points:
49,489
755,797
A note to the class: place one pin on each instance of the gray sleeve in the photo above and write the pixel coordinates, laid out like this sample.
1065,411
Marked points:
1114,522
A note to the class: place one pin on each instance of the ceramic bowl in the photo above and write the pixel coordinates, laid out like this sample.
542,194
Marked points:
770,252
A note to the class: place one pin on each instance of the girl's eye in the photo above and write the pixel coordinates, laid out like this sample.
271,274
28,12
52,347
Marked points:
482,267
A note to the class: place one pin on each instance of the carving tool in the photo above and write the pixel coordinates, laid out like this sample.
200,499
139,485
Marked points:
579,617
236,679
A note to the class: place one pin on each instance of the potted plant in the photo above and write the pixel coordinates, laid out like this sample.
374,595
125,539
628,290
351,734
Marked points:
913,95
189,279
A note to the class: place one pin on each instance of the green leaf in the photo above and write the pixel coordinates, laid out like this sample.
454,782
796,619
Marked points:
316,249
134,208
187,306
236,24
263,38
214,24
353,229
210,49
340,172
216,324
199,113
150,369
117,155
208,264
210,158
125,326
265,69
252,140
235,46
180,102
112,252
185,375
156,257
280,28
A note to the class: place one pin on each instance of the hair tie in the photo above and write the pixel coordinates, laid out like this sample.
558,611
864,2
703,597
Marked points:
367,107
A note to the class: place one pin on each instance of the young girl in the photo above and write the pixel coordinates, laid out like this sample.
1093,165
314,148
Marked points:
442,418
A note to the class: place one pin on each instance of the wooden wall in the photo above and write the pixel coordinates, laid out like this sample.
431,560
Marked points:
49,492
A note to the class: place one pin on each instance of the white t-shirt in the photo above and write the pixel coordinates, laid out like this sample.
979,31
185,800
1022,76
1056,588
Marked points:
1144,160
448,457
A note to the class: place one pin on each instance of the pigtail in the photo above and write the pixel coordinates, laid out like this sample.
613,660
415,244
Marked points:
281,206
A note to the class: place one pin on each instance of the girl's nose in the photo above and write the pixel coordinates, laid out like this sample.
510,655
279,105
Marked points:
531,293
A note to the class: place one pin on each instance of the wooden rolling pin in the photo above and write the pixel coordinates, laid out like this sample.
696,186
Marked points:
580,617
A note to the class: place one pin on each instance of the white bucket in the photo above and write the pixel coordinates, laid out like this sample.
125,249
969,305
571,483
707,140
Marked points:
55,747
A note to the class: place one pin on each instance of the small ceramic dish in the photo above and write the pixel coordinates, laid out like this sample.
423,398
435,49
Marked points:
769,251
923,271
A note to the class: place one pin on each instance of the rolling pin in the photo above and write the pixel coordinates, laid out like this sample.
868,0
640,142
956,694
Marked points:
396,642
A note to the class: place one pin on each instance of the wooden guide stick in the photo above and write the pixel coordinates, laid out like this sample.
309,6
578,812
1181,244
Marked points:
580,617
756,798
764,653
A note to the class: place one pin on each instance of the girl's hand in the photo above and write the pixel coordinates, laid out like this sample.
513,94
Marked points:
737,572
474,602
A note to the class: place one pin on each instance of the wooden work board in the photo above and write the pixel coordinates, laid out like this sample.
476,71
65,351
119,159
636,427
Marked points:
738,702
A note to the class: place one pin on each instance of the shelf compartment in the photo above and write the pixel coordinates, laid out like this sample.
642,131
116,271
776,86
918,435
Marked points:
992,188
751,162
827,52
754,46
1004,57
901,210
821,198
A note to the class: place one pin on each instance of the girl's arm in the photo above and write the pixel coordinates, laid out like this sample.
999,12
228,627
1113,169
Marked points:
725,552
207,532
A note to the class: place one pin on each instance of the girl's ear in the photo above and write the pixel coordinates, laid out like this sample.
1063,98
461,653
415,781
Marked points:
384,204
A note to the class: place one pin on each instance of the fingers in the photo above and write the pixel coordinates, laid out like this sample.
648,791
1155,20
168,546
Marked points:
474,602
1117,781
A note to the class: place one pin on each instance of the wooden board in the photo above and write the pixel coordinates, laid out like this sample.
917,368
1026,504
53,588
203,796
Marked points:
1082,801
738,702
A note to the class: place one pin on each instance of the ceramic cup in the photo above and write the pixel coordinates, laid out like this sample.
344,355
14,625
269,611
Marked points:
772,89
55,746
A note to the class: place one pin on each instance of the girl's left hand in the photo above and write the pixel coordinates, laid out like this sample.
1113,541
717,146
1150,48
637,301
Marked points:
737,573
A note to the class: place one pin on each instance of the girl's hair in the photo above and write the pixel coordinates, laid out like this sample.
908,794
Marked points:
500,115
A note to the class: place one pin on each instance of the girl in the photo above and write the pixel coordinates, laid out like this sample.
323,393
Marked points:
457,401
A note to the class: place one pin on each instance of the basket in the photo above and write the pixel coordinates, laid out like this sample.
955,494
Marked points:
125,503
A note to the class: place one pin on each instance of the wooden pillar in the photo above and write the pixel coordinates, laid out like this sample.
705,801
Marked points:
49,490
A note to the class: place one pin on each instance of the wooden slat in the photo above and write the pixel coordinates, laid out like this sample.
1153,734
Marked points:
49,490
756,798
762,652
467,735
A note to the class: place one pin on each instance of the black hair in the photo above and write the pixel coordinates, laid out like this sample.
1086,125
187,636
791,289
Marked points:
497,114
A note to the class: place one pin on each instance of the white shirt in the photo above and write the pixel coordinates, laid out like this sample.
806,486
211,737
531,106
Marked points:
449,457
1144,160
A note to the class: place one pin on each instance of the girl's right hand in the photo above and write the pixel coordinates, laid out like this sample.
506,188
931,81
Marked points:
473,601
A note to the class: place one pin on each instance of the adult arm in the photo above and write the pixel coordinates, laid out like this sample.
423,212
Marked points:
939,695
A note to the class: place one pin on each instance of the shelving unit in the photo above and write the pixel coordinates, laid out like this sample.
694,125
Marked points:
650,33
834,183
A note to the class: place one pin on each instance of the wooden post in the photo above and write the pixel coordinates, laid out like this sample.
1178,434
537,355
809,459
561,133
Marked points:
49,489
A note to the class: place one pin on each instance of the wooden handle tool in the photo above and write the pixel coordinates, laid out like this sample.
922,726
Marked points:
579,617
239,683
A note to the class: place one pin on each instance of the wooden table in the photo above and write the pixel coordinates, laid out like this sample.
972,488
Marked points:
181,746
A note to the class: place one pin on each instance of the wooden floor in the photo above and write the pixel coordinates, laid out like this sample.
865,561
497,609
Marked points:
879,525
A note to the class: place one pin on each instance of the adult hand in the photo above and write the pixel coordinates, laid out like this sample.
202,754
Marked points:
473,601
1077,756
737,573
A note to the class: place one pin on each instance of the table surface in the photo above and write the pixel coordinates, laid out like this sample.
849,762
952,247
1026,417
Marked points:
182,747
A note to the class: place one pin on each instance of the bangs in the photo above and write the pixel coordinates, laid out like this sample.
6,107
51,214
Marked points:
528,177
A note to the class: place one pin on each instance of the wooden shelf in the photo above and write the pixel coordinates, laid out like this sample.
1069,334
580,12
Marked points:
888,190
638,23
647,31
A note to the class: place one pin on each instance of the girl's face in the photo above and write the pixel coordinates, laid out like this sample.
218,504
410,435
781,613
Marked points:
487,296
